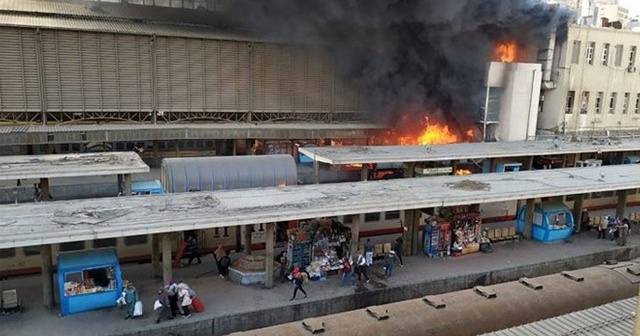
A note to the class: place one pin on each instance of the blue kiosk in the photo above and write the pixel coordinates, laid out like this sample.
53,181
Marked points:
88,280
552,221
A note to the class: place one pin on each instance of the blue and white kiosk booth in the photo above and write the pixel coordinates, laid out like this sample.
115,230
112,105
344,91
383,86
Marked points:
88,280
552,221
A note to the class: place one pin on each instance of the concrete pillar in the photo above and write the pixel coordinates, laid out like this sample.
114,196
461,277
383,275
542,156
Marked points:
622,203
121,184
177,143
155,256
316,171
156,160
45,192
167,272
355,236
454,166
127,184
364,172
576,158
412,232
269,239
247,239
409,169
528,219
528,163
578,203
47,277
238,230
234,150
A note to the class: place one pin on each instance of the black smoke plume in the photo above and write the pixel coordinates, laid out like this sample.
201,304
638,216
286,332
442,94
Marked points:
407,55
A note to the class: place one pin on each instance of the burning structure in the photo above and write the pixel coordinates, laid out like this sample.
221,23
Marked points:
422,65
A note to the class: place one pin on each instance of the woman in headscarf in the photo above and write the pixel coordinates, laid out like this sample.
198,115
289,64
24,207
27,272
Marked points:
130,298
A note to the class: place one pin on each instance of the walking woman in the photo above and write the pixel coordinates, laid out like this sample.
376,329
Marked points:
297,281
130,298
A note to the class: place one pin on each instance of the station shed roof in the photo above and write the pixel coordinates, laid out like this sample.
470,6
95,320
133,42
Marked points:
611,319
70,165
65,221
461,151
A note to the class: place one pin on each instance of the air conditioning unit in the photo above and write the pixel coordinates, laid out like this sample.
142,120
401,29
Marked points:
632,69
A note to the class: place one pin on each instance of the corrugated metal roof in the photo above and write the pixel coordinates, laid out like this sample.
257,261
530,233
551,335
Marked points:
613,319
120,26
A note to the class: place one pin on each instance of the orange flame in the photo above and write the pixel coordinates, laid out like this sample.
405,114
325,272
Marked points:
428,133
506,52
463,172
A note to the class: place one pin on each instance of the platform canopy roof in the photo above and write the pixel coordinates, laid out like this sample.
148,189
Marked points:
64,221
461,151
70,165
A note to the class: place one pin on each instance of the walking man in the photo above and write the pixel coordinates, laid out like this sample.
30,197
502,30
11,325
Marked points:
368,252
389,262
362,268
165,311
192,249
398,249
297,281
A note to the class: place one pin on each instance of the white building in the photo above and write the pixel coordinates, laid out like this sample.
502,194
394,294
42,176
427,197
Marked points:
597,83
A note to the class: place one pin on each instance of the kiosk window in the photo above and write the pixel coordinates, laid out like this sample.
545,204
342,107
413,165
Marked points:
372,217
7,253
89,281
72,246
31,250
135,240
108,242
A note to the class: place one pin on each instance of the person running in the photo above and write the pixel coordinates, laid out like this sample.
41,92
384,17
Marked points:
347,272
297,281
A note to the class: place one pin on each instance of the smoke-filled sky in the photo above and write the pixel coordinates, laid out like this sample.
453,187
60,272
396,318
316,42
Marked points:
407,55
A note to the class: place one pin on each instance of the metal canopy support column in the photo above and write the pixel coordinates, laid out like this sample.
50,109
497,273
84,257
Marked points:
622,203
47,277
316,171
155,256
120,184
364,172
409,236
528,219
578,203
166,258
355,235
127,184
528,165
247,239
45,192
411,231
269,237
156,161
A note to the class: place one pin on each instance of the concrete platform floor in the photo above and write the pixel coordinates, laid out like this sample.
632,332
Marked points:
223,298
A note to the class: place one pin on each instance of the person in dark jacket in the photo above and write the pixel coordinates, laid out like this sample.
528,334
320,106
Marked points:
225,263
165,311
398,248
297,281
192,250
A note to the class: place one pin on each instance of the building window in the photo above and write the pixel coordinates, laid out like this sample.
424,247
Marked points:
575,55
589,55
612,103
625,103
392,215
372,217
71,246
584,103
637,109
107,242
619,51
632,57
571,97
605,54
6,253
135,240
599,102
31,250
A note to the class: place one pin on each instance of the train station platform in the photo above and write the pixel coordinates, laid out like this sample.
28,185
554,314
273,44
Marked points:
231,307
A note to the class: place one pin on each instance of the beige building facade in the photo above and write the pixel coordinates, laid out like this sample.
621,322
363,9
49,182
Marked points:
597,83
